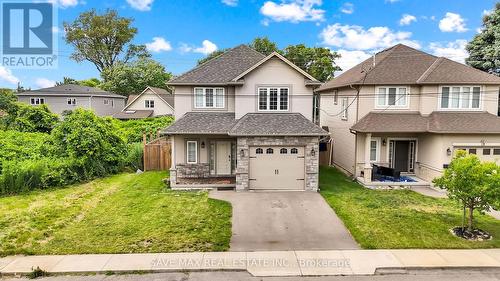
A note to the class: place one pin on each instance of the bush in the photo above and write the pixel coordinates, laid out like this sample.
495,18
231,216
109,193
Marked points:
135,156
26,118
132,130
15,145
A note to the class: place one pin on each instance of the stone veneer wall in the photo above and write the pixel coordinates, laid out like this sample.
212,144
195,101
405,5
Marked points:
200,170
311,162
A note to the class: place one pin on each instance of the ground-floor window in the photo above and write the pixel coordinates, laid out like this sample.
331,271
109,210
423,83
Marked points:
192,152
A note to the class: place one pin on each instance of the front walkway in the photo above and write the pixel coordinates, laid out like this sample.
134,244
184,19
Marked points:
278,221
285,263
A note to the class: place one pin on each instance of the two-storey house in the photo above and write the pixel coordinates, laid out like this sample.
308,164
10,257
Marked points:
152,102
244,120
410,111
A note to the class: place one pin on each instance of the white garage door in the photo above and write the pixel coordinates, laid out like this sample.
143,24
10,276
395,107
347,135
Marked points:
277,167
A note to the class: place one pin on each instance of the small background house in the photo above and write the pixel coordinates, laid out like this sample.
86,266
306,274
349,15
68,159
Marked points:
151,102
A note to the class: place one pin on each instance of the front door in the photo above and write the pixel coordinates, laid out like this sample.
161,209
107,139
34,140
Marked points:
403,155
223,160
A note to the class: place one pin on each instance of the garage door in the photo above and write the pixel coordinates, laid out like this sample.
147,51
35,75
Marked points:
276,167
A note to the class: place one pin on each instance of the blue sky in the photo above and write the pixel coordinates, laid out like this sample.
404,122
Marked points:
178,33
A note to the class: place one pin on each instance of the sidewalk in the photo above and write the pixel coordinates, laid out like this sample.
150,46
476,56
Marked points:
288,263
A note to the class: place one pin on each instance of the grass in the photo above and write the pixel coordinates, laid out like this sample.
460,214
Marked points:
385,219
125,213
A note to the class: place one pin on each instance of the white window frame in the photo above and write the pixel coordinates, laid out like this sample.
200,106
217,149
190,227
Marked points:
378,140
344,107
268,99
37,101
459,108
71,101
195,151
204,95
386,104
148,103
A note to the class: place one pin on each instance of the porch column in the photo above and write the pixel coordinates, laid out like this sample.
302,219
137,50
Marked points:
367,169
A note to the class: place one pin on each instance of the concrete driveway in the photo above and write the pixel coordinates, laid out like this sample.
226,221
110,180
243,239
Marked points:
284,221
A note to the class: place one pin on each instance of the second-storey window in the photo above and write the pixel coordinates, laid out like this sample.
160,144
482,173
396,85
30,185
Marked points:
344,107
149,103
392,96
37,101
209,97
460,97
273,99
71,101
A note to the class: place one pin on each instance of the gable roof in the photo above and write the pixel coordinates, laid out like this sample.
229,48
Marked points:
163,94
436,122
71,90
403,65
221,69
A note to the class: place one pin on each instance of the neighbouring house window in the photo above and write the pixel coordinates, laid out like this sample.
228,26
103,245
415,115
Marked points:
294,151
392,96
106,101
71,101
335,97
486,151
374,150
460,97
37,101
496,151
259,151
344,108
192,152
149,103
472,151
283,151
269,151
273,99
209,97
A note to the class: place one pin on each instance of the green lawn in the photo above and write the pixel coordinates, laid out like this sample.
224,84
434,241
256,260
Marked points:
380,219
125,213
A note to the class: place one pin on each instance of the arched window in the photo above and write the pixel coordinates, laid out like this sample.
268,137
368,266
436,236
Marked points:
283,151
259,151
294,151
269,151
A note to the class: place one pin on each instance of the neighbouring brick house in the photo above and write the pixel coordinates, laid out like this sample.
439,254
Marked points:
244,120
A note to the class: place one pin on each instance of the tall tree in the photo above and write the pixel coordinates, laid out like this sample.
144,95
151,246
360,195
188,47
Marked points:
317,61
264,45
91,82
103,39
484,49
133,77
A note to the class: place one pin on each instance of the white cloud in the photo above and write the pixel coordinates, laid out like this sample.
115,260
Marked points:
407,19
347,8
232,3
487,12
293,11
355,37
206,48
141,5
159,44
7,76
44,83
349,59
391,1
452,23
64,3
454,50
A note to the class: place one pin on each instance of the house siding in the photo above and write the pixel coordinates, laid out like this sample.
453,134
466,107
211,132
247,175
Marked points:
161,107
59,104
184,100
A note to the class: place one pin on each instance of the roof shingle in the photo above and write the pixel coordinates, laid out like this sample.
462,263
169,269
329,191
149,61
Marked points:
71,90
202,123
276,124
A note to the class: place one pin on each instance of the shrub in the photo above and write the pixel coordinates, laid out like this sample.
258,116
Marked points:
26,118
132,130
135,156
15,145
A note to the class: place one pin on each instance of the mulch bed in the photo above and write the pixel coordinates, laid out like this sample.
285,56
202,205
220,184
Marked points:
474,235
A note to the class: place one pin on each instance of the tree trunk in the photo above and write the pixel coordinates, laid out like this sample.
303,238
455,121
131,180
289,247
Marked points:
471,218
464,216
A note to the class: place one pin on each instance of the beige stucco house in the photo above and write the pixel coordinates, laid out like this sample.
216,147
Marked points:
243,120
69,97
152,102
409,110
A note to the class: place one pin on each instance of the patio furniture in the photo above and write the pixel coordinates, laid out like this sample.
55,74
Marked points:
379,171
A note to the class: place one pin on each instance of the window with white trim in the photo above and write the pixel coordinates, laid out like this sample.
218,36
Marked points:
344,107
71,101
273,99
37,101
209,97
392,96
149,103
192,152
374,150
460,97
335,97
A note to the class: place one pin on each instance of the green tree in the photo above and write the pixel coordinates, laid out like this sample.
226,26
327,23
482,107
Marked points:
103,39
26,118
264,45
133,77
472,183
92,140
212,55
318,62
484,49
7,99
91,82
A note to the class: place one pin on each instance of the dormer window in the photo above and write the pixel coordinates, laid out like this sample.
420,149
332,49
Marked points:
208,97
460,98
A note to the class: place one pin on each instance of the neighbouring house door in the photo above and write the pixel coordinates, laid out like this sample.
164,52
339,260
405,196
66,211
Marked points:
403,155
223,159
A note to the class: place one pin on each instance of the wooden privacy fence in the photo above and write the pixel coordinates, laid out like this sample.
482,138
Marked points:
157,153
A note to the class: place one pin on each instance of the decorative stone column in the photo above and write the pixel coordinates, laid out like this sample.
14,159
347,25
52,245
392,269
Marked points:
367,169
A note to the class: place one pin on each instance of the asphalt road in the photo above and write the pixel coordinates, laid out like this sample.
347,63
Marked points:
416,275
